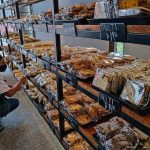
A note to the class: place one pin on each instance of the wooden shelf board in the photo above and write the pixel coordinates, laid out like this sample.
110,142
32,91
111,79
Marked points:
144,119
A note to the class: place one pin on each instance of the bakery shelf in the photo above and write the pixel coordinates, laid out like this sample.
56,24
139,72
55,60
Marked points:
87,89
91,29
18,66
42,61
28,2
94,94
47,65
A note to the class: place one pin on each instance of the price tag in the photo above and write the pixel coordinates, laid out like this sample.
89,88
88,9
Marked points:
69,29
113,32
110,104
71,80
47,66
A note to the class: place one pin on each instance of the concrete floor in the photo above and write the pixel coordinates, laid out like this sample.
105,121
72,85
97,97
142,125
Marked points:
25,129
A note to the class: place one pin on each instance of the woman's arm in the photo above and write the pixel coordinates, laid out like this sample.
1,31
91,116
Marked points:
16,88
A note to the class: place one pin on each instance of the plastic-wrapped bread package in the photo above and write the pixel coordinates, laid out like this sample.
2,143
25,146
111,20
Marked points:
75,142
108,129
100,10
106,9
72,99
96,111
73,137
48,106
109,80
66,124
126,4
53,114
125,139
75,109
137,92
83,119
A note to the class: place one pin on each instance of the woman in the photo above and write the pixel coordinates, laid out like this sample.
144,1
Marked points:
8,105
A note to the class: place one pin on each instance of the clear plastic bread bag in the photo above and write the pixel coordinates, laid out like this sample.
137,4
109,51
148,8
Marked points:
124,139
112,6
100,10
137,92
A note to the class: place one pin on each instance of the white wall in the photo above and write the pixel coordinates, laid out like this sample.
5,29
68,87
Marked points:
140,51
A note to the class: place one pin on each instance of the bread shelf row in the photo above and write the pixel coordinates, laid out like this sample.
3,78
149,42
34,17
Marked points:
87,132
75,82
121,109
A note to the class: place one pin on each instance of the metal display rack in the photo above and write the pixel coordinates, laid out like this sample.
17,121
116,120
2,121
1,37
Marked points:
128,30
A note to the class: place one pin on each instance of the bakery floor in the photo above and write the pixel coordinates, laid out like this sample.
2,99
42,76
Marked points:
25,129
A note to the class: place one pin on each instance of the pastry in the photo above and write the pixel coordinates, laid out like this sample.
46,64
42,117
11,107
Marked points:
71,99
129,58
48,106
81,146
67,125
75,108
86,73
53,114
96,111
72,138
83,119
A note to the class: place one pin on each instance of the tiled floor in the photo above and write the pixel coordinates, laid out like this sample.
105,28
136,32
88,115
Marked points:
25,129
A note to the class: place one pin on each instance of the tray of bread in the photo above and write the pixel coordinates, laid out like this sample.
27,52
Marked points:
117,134
77,13
53,115
47,81
83,109
75,141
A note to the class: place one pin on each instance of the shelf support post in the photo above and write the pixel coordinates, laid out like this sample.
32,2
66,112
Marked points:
58,58
20,33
